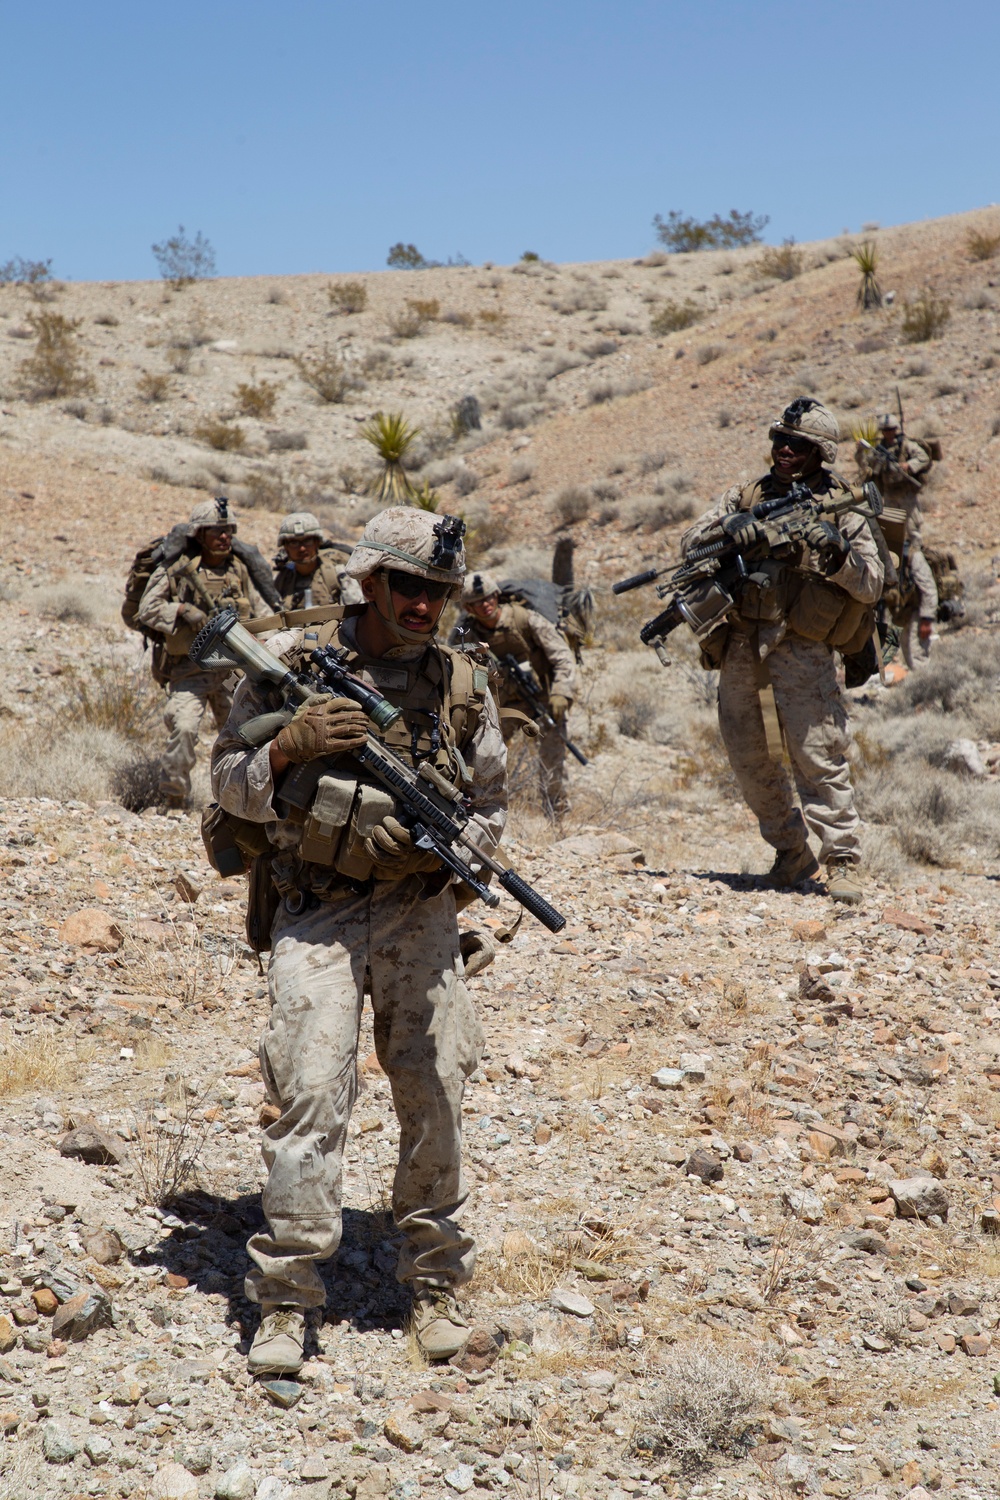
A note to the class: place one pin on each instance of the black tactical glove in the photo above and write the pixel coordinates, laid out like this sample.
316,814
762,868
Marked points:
744,529
823,537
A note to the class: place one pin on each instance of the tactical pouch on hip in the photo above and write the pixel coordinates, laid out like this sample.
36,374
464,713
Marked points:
762,597
372,806
816,609
231,842
328,816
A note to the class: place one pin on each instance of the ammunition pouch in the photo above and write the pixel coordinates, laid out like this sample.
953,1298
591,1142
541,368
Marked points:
231,843
713,648
820,611
762,597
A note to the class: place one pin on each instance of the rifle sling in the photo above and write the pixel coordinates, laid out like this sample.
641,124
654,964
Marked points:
766,699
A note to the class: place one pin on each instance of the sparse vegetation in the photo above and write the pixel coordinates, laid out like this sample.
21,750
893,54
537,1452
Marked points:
681,234
287,442
925,318
703,1410
326,373
780,262
866,258
21,272
256,398
981,245
493,319
403,257
708,353
56,368
391,436
347,296
153,386
572,504
181,260
165,1156
224,436
671,316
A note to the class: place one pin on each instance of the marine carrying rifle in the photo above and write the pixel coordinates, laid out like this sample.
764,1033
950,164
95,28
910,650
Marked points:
530,692
705,587
434,811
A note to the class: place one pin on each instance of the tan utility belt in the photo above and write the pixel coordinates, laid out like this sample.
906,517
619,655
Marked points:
298,619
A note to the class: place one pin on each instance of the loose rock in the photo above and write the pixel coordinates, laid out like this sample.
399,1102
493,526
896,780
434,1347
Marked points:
59,1446
94,928
81,1315
919,1198
569,1301
91,1144
236,1483
173,1482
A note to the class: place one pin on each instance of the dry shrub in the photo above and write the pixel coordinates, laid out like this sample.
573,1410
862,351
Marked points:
703,1409
256,398
119,696
780,262
165,1156
572,504
425,308
653,512
72,764
326,373
520,471
925,318
287,442
981,246
153,386
56,368
708,353
598,394
493,319
407,322
672,316
225,437
459,319
34,1063
71,606
347,296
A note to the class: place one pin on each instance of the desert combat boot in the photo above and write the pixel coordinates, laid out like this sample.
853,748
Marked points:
279,1342
792,866
438,1323
843,882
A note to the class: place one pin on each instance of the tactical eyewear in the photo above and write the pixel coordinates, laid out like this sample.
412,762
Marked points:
796,444
411,585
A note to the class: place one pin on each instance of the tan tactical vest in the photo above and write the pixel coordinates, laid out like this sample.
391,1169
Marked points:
193,583
514,637
324,583
811,606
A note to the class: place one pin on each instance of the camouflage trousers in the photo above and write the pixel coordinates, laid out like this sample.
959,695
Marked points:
188,698
427,1039
551,769
815,730
915,651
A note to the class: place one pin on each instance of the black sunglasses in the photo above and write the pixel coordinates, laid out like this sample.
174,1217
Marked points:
411,586
796,444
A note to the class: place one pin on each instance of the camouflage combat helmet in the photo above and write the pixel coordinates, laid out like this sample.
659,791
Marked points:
299,525
887,421
407,540
213,513
479,586
808,418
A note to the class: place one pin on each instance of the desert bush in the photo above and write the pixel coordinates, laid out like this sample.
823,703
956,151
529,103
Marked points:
287,442
425,308
166,1153
981,300
633,714
708,353
605,489
871,343
572,504
56,367
653,512
118,696
924,318
703,1409
106,320
267,489
181,260
153,386
326,373
466,480
521,471
916,368
493,319
179,357
21,272
780,262
76,409
136,782
226,437
256,398
459,319
74,763
69,605
650,462
405,323
671,316
724,417
515,414
981,246
347,296
681,234
598,394
34,1063
600,348
403,257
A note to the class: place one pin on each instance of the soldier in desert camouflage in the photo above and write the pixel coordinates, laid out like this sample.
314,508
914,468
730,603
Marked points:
900,466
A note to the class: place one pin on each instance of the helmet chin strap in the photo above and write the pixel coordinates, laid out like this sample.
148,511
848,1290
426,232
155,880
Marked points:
389,620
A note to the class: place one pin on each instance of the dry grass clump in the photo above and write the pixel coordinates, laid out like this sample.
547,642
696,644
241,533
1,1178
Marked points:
925,318
572,504
56,368
708,353
165,1156
654,512
671,316
327,374
780,262
256,398
347,296
119,696
225,437
981,246
73,764
287,442
703,1409
153,386
70,605
34,1063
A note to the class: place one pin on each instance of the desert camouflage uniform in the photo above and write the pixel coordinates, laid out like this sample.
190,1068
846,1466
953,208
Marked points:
427,1035
191,690
329,584
809,702
534,641
906,497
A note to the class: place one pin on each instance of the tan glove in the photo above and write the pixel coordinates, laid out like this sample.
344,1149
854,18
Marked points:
389,846
323,726
190,614
558,707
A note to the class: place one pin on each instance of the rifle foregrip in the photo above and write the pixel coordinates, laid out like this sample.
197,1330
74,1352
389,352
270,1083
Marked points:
635,582
662,625
264,727
532,901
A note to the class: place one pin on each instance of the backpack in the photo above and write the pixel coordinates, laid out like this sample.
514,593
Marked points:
950,586
570,610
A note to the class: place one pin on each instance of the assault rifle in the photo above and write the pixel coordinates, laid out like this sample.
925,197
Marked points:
883,462
434,811
529,690
706,586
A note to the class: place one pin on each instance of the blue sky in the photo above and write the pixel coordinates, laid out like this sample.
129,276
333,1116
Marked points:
310,136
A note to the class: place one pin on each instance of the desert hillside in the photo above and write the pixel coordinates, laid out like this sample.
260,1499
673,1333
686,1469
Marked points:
735,1153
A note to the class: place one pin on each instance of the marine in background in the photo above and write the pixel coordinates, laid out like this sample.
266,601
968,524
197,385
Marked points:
777,665
309,568
511,628
176,602
900,466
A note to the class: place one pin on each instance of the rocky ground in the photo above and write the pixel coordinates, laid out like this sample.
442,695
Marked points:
735,1153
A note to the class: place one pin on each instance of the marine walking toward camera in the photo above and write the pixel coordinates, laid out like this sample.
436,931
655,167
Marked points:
534,669
900,467
192,572
778,575
360,897
309,568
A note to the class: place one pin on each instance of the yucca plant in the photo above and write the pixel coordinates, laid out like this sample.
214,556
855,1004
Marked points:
391,436
865,257
426,498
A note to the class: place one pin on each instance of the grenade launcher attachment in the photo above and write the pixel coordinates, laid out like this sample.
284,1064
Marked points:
435,812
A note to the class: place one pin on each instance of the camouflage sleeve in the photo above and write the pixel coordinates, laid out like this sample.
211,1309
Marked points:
156,608
242,782
726,505
862,574
258,606
486,758
559,655
918,460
